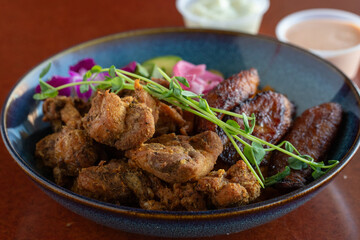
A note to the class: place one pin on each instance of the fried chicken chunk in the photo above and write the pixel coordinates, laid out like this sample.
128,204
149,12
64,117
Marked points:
167,119
178,196
74,150
45,150
65,110
123,123
176,158
237,186
273,112
144,97
229,93
104,183
312,134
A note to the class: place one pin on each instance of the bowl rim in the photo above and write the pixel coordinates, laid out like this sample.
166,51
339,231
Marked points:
174,215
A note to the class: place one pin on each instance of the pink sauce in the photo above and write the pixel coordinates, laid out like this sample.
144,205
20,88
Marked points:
324,34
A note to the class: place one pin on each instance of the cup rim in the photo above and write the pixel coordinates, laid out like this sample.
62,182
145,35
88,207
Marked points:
318,13
181,6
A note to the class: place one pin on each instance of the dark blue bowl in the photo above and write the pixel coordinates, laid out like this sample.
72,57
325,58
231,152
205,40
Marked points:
306,79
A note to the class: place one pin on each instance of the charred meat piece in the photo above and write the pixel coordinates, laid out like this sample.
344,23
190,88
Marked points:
63,110
122,123
74,150
273,112
237,186
45,150
104,183
229,93
311,134
177,159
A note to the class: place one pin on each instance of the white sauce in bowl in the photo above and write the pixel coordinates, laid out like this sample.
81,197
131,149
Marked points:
224,9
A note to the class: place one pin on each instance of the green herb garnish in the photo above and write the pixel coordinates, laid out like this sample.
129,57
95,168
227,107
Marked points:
277,177
194,103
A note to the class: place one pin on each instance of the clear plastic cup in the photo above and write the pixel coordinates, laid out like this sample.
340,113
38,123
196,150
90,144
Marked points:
347,59
246,19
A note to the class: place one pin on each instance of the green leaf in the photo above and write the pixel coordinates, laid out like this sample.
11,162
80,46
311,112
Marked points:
177,92
259,152
45,86
172,84
234,124
317,173
49,93
255,154
289,147
277,177
167,94
93,87
333,162
189,94
140,70
183,81
253,120
39,96
117,84
45,70
96,69
155,73
86,76
84,88
155,88
296,164
247,127
112,71
203,104
103,86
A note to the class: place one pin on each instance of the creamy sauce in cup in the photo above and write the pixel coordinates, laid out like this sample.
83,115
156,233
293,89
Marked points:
324,34
224,9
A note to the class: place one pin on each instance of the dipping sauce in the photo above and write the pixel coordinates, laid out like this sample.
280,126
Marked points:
324,34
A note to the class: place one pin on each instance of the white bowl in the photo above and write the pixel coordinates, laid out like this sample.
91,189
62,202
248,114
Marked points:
347,60
248,23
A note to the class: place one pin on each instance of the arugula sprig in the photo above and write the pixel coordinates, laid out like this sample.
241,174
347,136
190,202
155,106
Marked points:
252,154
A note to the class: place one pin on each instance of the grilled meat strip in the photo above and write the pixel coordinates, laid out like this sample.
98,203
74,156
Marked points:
311,134
273,112
229,93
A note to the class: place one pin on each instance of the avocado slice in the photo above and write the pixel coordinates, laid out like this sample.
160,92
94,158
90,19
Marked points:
216,72
166,63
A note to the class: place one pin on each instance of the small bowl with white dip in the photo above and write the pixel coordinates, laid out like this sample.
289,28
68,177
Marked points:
329,33
235,15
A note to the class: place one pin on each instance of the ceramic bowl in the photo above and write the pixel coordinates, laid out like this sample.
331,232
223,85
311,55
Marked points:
306,79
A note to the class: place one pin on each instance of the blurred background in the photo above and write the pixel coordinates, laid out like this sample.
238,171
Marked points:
31,31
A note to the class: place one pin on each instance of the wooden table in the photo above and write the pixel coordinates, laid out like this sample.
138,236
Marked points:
31,31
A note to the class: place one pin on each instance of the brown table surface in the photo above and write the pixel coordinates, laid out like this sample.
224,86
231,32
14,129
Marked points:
31,31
